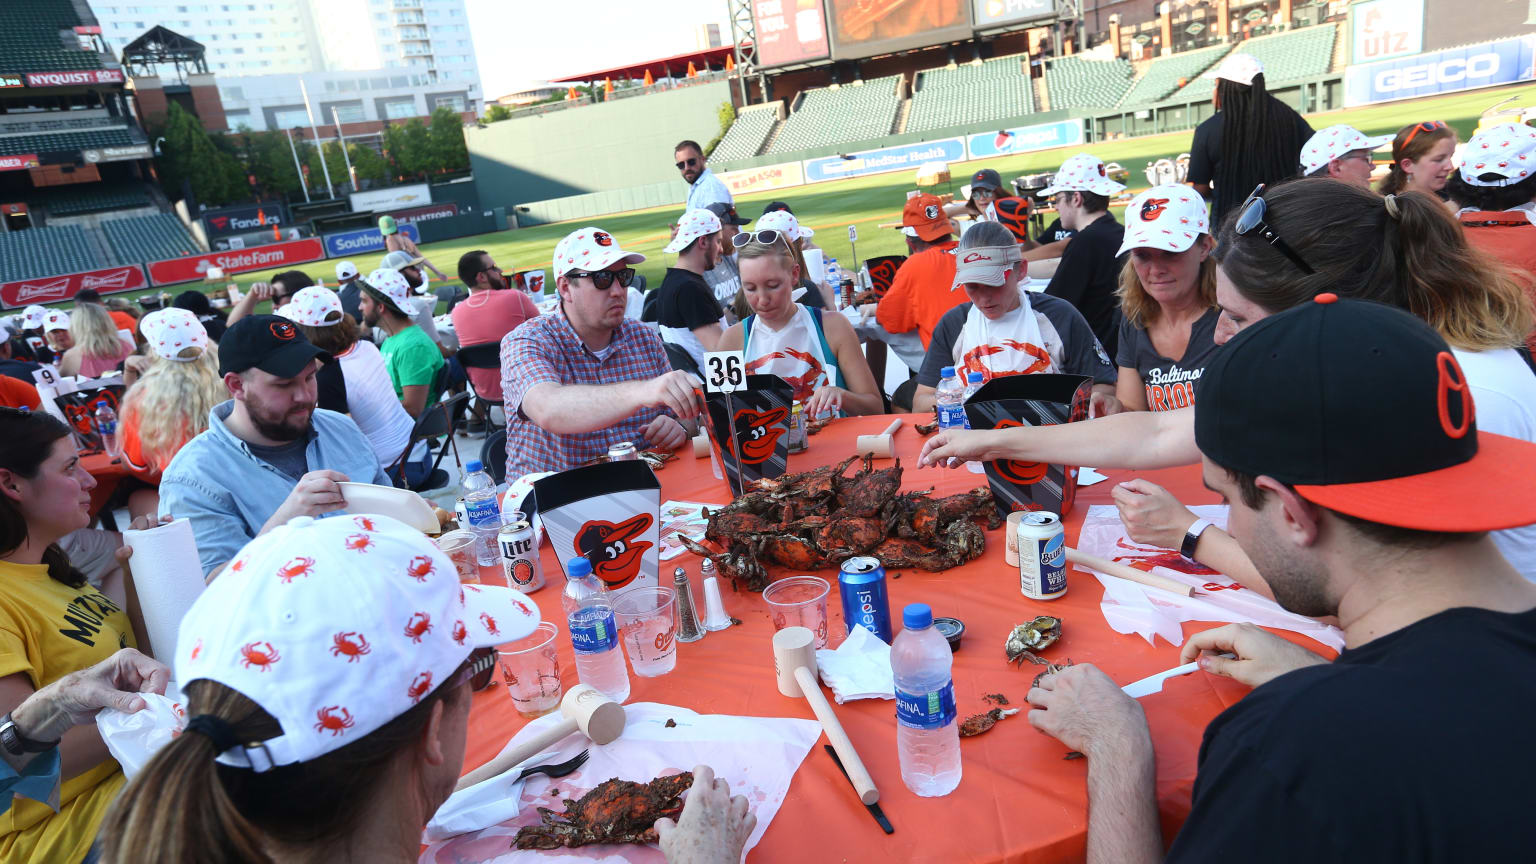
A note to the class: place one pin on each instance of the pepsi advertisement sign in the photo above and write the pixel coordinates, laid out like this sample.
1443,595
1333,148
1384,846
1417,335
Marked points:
362,241
1447,71
1024,139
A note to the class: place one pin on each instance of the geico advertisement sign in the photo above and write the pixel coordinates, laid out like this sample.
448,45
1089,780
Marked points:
1441,72
195,267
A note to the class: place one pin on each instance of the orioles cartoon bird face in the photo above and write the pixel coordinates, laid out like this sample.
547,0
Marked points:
758,432
1023,473
1153,208
615,550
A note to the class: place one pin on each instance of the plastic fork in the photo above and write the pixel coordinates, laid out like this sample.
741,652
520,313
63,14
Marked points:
557,769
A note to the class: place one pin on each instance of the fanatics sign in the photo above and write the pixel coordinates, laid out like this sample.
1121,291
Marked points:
196,267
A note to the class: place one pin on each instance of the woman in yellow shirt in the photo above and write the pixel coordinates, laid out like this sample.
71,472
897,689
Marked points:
52,623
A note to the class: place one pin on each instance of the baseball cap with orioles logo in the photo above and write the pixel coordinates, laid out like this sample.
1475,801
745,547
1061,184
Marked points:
1082,173
590,249
267,342
924,215
1170,218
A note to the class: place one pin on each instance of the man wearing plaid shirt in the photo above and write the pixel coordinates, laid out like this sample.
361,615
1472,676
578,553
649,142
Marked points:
586,377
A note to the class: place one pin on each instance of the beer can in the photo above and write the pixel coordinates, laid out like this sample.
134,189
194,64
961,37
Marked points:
798,439
624,451
519,557
1042,545
861,586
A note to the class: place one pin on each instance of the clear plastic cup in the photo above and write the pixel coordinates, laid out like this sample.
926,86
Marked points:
459,546
531,670
800,601
647,617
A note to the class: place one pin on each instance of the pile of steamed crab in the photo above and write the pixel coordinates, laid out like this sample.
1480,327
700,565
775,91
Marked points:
822,517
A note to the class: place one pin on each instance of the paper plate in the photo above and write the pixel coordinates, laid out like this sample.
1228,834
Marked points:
401,504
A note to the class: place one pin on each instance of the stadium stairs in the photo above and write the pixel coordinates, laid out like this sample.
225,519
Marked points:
1289,56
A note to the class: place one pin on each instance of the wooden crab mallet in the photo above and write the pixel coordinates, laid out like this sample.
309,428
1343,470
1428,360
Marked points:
584,709
879,446
794,664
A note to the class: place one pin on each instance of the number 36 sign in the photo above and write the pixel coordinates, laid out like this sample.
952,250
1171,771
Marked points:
725,371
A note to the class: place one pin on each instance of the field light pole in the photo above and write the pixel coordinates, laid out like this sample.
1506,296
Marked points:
296,166
330,189
341,141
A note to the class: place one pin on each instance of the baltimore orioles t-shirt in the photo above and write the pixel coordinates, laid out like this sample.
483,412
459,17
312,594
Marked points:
1169,383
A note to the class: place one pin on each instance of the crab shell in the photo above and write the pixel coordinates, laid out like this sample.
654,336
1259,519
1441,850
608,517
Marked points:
1036,635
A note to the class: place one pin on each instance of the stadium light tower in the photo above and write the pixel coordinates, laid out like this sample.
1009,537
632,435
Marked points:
744,36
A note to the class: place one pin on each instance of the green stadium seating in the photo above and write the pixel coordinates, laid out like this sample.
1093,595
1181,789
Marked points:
746,135
89,198
829,117
1164,75
970,93
148,238
67,142
1077,82
34,252
29,39
1288,56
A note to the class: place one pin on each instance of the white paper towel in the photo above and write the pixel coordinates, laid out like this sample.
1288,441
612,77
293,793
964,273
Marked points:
168,577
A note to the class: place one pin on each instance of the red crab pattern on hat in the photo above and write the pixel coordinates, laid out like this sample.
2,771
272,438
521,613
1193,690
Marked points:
169,332
1507,150
1169,217
1335,141
590,249
313,307
392,284
693,225
337,626
1083,173
785,223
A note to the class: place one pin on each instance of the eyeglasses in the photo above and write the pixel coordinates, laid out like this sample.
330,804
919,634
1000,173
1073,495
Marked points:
1250,218
687,163
767,237
477,670
280,299
1423,127
602,280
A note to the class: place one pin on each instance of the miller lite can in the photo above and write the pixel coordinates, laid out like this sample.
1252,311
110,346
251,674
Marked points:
519,557
1042,545
861,586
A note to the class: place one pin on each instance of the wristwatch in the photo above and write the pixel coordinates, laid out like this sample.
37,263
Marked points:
1192,538
18,744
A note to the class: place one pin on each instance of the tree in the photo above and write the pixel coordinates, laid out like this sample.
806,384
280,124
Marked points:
368,164
446,142
498,113
189,157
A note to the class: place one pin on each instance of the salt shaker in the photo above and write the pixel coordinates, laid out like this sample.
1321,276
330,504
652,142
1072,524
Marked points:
688,629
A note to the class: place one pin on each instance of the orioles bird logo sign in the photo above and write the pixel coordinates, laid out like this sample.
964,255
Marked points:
1022,473
758,432
615,551
1152,208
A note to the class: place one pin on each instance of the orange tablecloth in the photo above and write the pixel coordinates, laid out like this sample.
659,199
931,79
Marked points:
107,473
1019,799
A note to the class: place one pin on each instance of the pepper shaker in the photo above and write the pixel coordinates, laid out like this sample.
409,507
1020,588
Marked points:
688,629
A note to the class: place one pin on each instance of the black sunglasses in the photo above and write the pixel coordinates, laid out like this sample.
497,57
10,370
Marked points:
1250,218
477,670
687,163
767,237
602,280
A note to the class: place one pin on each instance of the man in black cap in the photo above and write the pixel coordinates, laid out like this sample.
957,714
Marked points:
1342,433
268,454
725,277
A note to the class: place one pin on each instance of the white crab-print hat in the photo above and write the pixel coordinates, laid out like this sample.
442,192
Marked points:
1507,150
1167,217
590,249
170,332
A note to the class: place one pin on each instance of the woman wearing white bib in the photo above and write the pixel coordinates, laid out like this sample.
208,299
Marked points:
817,354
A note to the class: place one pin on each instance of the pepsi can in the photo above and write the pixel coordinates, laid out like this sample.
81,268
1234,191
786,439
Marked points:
861,585
1042,556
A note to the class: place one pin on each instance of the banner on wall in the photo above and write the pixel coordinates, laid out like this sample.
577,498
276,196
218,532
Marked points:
237,220
897,158
52,289
67,79
20,162
362,241
762,179
1448,71
195,267
789,31
389,199
425,214
989,13
1024,139
1383,29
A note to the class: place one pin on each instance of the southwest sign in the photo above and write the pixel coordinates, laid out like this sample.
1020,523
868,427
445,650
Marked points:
52,289
194,267
70,79
363,240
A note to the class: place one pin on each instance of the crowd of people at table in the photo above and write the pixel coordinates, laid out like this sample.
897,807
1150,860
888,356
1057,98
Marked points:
1366,405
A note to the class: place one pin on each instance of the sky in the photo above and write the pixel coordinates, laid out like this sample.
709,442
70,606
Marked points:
522,43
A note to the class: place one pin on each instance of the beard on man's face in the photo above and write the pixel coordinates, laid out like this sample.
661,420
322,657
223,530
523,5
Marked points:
289,426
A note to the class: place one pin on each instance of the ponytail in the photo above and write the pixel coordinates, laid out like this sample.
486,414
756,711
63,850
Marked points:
1412,145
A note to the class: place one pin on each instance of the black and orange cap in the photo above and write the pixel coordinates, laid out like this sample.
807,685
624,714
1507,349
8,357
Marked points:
1363,409
270,343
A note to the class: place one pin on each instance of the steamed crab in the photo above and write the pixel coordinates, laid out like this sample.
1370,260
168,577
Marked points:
616,811
979,723
1032,636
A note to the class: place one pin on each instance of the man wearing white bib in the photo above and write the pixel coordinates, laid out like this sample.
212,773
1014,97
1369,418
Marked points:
1005,330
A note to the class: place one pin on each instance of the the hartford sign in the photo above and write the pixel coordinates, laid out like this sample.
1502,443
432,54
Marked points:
52,289
70,79
196,267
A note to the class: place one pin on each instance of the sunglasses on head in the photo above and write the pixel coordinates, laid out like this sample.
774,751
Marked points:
477,670
1250,219
767,237
1422,127
687,163
602,280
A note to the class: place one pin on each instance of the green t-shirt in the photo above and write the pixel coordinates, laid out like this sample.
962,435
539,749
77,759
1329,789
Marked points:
412,358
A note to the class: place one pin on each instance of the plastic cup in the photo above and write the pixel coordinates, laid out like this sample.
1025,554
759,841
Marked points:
800,601
647,617
531,670
459,546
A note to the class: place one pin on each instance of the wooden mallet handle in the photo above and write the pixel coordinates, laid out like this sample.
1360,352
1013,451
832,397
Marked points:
1131,574
507,760
857,773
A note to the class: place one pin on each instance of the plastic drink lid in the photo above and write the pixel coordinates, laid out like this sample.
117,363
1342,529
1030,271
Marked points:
916,616
578,567
947,372
473,465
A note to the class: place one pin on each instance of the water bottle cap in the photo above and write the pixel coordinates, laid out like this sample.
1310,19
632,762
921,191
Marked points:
976,377
917,616
473,465
947,372
578,567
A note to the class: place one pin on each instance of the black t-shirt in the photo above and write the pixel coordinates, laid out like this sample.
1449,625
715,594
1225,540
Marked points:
290,458
812,295
1169,382
332,387
1088,275
1205,160
1413,747
685,301
214,325
21,370
1054,232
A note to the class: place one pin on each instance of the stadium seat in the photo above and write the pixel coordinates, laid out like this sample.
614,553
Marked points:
1077,82
829,117
68,142
1166,73
30,40
148,238
37,252
1288,56
746,135
89,198
996,89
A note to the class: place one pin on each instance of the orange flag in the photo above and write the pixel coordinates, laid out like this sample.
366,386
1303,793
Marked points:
570,94
607,85
649,80
729,63
692,73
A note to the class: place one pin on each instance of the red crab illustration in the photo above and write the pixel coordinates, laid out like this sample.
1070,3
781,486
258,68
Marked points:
365,523
614,550
197,649
354,645
803,384
459,632
419,687
296,568
490,624
334,718
420,567
358,542
259,654
237,566
419,626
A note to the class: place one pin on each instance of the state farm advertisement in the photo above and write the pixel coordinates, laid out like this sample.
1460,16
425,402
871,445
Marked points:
69,79
52,289
195,267
789,31
19,163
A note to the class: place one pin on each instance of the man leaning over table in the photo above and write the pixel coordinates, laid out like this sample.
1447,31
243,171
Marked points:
268,453
1407,746
586,377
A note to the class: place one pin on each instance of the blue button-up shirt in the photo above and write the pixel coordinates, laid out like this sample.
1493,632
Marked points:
229,493
39,780
707,190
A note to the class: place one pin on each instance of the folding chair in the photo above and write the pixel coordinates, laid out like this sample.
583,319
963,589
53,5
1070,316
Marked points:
486,355
436,421
493,455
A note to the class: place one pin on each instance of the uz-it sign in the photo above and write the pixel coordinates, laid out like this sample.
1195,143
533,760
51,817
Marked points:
1447,71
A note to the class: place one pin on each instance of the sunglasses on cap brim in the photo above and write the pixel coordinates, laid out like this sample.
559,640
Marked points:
477,670
767,237
1250,220
602,280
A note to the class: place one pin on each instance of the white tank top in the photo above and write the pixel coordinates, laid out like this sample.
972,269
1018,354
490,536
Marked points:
794,353
1022,342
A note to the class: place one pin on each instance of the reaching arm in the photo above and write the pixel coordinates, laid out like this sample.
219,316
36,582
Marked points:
260,292
1136,440
924,398
861,396
80,749
1041,251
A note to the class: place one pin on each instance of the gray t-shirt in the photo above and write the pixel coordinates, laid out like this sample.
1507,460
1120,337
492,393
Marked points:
288,458
1078,351
1169,383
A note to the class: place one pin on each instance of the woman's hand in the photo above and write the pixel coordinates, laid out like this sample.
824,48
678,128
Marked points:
826,400
950,448
1151,514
